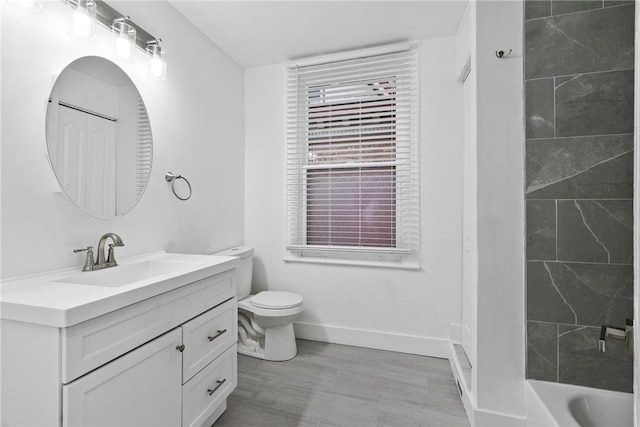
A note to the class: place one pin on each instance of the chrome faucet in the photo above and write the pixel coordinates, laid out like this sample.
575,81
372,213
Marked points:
90,264
625,334
111,259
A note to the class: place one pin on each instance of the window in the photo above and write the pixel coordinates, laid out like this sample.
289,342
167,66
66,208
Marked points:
352,160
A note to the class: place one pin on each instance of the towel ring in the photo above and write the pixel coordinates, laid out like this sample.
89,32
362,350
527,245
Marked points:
172,178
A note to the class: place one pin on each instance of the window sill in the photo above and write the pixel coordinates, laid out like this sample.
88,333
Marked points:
401,265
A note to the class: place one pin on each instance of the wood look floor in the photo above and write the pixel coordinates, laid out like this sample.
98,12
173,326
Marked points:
337,385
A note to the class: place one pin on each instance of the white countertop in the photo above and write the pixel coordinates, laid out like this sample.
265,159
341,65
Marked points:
47,300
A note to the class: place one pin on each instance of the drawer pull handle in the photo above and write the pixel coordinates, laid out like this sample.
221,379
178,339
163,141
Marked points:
217,335
218,385
180,348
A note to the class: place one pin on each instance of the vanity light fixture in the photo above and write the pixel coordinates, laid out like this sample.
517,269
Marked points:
126,34
124,39
157,60
83,20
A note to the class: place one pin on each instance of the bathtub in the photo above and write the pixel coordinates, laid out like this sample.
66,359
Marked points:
553,404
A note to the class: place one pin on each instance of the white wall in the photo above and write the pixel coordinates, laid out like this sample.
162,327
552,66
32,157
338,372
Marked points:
500,346
197,120
385,308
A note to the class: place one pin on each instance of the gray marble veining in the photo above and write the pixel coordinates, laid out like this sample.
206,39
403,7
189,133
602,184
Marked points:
580,167
541,229
595,231
540,108
542,351
598,40
537,9
595,104
579,294
579,186
561,7
581,363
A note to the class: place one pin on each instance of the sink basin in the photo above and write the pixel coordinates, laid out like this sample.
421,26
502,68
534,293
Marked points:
600,411
123,275
64,298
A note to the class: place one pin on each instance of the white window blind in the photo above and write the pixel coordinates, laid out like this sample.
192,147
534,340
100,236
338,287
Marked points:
144,152
352,158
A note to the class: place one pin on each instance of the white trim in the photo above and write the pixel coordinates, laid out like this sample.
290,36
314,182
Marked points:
401,264
345,56
486,417
636,222
479,416
456,332
353,249
304,224
412,344
464,390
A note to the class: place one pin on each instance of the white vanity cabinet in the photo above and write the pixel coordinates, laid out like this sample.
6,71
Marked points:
168,360
143,387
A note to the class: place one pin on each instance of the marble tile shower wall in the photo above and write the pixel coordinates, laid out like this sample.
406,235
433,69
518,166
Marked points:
579,172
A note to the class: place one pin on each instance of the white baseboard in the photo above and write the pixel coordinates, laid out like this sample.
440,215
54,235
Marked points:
479,417
424,346
464,389
485,418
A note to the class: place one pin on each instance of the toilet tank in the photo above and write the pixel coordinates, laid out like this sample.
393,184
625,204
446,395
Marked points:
245,269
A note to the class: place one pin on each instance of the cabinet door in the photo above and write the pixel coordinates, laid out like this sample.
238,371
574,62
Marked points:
141,388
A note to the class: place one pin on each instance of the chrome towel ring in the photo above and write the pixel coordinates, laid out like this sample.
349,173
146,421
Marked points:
172,178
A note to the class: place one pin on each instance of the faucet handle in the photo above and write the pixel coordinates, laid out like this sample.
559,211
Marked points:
111,257
89,262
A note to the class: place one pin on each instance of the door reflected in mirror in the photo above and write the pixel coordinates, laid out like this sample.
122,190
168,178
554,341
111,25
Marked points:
99,137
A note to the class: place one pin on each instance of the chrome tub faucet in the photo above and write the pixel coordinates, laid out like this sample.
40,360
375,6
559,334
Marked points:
110,261
625,334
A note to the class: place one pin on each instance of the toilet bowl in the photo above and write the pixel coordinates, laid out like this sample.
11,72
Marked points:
265,320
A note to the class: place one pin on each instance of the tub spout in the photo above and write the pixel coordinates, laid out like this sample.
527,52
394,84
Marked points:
625,334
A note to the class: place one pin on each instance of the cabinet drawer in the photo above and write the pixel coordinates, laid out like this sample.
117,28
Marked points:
204,393
93,343
207,336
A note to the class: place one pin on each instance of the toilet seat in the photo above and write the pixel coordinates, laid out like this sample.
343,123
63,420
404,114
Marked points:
247,305
276,300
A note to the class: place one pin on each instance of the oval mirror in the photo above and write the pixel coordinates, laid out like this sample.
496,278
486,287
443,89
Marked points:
99,137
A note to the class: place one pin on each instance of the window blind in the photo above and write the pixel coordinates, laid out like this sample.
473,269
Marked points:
352,157
144,152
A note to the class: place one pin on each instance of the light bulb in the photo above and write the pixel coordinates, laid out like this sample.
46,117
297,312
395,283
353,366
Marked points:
156,66
124,40
123,48
81,24
83,20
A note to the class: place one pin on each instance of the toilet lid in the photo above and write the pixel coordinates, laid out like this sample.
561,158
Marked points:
276,300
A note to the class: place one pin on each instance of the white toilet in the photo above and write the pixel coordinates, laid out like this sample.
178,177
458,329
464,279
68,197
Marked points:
265,320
